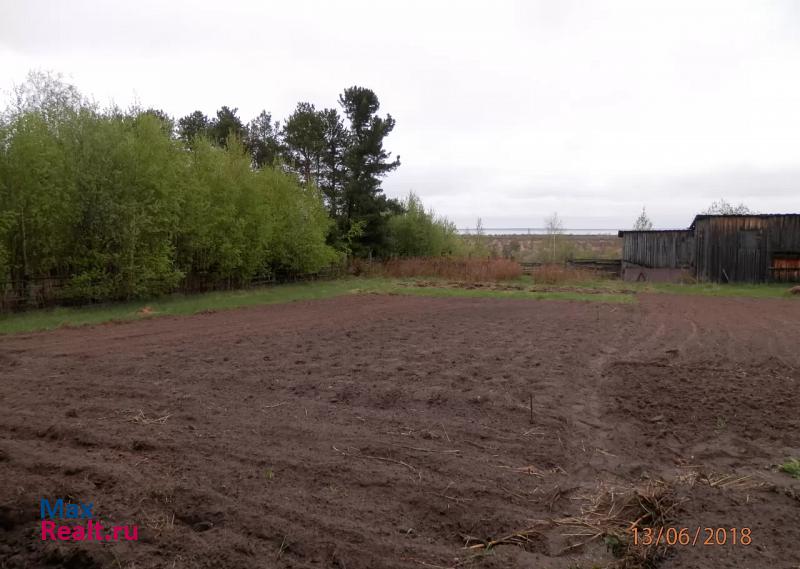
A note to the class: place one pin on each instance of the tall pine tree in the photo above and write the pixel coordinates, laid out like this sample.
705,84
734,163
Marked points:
304,138
193,125
226,124
366,162
333,172
263,140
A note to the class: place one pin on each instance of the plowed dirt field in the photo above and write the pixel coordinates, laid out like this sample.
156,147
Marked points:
407,432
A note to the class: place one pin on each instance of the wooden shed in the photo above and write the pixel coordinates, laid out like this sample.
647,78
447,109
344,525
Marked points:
717,248
665,255
747,248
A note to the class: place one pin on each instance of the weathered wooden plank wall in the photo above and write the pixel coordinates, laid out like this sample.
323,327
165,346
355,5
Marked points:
659,249
743,248
736,248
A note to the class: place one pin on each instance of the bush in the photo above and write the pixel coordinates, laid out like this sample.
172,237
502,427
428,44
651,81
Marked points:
421,233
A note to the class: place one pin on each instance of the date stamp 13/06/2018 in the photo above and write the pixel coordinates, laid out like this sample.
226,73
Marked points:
692,536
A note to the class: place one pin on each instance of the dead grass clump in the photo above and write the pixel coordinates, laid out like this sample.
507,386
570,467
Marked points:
460,269
141,419
559,274
693,477
160,521
615,517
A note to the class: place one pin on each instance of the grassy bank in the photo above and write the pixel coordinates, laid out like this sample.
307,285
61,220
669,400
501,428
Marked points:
771,290
445,289
175,305
49,319
524,288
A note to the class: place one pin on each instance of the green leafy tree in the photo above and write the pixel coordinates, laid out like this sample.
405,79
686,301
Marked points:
47,95
116,206
298,224
219,242
128,179
36,191
418,232
5,225
238,223
6,216
38,197
166,121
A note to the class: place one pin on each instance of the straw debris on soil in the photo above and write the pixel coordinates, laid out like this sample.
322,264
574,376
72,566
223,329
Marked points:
613,515
610,515
718,480
141,419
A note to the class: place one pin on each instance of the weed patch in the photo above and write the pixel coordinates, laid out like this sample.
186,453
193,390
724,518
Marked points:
791,467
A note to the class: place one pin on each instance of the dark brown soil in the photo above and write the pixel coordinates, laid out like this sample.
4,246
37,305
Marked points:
390,431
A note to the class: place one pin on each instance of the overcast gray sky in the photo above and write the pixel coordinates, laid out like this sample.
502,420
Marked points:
505,110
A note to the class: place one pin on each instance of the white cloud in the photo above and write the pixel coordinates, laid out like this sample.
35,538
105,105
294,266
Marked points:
505,110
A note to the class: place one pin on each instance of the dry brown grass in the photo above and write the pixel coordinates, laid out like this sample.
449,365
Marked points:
614,515
559,274
141,419
160,521
609,516
457,269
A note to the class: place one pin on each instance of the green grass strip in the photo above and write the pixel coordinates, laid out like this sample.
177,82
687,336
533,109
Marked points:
609,291
771,290
512,294
175,305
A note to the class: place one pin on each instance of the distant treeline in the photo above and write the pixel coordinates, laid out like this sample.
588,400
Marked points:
125,204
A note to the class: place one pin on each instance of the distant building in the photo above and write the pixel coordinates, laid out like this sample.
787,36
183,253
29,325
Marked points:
716,248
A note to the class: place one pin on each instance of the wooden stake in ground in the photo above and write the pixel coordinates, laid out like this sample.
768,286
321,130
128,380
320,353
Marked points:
531,408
